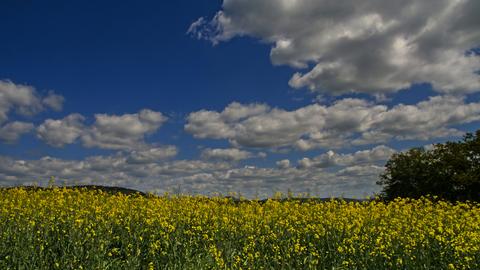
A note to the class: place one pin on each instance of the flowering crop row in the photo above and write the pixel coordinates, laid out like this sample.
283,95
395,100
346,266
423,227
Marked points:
78,229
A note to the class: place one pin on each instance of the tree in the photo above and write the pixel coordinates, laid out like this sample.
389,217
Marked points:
450,171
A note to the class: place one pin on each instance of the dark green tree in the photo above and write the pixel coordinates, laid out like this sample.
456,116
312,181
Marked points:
450,171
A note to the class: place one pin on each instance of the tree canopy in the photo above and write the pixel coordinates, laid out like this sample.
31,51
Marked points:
449,170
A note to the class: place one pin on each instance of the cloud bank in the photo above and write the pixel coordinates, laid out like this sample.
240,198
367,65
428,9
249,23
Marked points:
351,175
345,123
371,47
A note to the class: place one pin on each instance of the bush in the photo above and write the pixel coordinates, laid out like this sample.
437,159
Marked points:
450,171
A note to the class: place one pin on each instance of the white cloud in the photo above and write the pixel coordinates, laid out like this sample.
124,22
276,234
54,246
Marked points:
11,132
267,128
231,154
360,171
373,46
283,164
426,120
117,132
122,132
192,176
209,124
54,101
58,133
117,169
375,155
152,155
25,100
354,174
346,122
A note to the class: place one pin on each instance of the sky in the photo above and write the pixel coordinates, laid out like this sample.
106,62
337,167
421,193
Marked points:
211,97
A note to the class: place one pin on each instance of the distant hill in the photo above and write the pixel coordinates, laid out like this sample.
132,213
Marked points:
128,191
106,189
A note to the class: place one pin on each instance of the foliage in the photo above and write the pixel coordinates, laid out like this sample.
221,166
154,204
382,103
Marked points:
63,228
450,171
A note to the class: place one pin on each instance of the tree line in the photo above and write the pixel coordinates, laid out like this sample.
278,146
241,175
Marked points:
450,171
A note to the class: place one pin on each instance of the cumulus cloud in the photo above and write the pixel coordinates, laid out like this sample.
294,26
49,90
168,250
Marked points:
346,122
428,119
117,132
122,132
25,100
210,124
375,155
360,171
58,133
11,132
231,154
54,101
266,128
373,46
152,155
283,164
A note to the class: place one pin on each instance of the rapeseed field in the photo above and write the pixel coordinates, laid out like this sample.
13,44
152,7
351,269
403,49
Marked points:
62,228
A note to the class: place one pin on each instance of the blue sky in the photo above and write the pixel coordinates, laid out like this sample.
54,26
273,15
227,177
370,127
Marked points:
212,96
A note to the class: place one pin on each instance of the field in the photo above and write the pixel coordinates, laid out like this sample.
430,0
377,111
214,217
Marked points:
82,229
